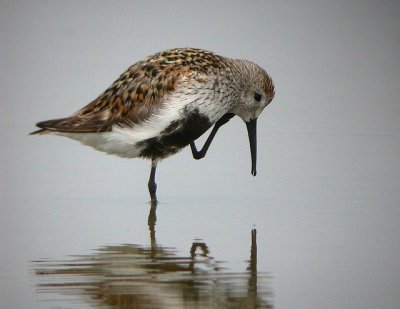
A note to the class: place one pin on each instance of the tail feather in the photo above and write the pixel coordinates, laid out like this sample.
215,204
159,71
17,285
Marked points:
74,124
40,131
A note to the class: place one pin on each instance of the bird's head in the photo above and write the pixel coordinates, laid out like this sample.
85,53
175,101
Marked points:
256,90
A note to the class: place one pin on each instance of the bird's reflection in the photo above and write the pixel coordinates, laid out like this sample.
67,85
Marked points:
135,276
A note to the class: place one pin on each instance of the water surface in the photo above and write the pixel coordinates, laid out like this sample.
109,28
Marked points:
152,276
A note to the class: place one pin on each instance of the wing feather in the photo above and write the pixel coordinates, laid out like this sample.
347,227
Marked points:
138,93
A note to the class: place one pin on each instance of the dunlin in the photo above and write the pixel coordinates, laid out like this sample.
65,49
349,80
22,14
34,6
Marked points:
165,102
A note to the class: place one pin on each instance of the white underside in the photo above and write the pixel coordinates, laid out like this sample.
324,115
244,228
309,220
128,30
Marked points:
108,142
123,141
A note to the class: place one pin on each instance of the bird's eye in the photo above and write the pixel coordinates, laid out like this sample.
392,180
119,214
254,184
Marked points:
257,97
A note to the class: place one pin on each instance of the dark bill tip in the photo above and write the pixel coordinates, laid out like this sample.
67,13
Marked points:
252,132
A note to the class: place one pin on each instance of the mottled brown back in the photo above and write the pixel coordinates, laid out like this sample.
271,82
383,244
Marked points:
138,92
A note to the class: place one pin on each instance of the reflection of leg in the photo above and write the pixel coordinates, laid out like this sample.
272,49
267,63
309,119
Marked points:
200,245
200,154
152,182
151,221
204,253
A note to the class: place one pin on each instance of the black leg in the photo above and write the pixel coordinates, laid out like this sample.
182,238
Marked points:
152,182
200,154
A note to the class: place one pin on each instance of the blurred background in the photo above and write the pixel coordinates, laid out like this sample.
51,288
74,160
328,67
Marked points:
325,201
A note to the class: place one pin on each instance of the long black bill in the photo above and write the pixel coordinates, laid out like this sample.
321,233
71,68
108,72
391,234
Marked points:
252,131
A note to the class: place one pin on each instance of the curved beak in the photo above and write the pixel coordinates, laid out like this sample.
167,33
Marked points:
252,131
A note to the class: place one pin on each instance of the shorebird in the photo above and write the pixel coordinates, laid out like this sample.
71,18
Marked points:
165,102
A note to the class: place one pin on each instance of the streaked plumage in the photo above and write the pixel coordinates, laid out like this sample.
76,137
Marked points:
163,103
